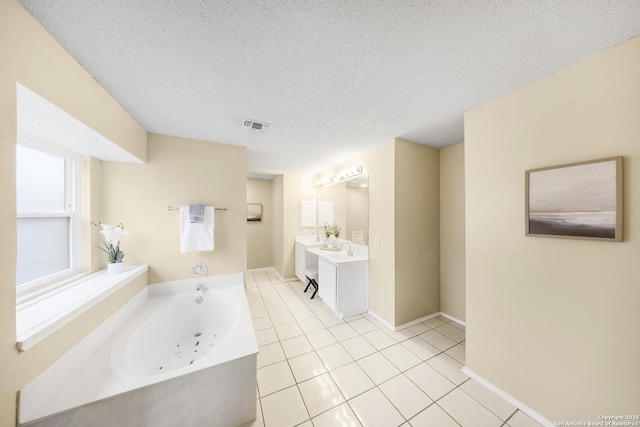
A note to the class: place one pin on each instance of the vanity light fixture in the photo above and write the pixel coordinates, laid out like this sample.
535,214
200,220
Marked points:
349,173
324,181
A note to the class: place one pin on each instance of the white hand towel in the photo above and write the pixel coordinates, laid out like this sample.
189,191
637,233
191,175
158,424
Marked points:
196,237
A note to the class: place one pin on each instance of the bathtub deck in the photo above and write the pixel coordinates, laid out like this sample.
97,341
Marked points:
96,386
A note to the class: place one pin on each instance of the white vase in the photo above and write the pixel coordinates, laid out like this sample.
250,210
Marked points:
115,267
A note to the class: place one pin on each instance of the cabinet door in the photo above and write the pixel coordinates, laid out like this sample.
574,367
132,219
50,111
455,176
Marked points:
352,295
327,279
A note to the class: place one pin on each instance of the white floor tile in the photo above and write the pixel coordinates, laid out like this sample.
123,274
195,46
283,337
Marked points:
284,408
405,396
321,338
399,336
434,384
330,319
362,325
489,399
448,367
379,339
467,411
257,303
341,416
296,346
270,354
401,357
418,328
266,336
434,322
520,419
257,313
320,394
303,313
306,366
343,331
274,377
358,347
262,323
282,318
334,356
273,299
352,380
451,331
311,325
378,368
278,308
373,409
433,416
311,361
438,340
287,331
458,352
420,348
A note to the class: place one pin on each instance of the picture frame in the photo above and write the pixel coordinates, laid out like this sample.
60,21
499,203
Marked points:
577,201
254,212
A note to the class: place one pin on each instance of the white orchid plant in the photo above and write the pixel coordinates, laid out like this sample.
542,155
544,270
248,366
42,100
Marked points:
113,235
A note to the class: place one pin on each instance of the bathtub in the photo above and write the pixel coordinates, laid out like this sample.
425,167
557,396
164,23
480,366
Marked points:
172,356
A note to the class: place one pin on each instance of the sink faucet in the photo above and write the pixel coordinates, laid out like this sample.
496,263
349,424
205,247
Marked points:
350,252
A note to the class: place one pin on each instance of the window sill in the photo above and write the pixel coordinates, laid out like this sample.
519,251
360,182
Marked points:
40,317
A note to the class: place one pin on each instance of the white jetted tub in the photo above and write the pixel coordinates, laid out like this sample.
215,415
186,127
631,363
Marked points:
179,353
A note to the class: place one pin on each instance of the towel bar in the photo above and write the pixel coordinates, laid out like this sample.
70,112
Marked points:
172,208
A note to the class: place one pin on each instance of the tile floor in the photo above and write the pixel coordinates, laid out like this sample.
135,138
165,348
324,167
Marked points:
316,369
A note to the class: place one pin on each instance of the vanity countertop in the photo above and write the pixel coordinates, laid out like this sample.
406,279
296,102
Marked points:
308,240
334,257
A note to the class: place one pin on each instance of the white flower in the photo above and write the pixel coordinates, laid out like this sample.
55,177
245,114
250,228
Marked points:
113,235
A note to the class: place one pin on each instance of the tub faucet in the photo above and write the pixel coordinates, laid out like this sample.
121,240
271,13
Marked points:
199,287
350,252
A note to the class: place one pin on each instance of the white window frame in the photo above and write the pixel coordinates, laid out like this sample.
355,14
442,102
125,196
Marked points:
73,211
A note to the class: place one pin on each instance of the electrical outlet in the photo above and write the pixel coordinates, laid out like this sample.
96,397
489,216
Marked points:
376,242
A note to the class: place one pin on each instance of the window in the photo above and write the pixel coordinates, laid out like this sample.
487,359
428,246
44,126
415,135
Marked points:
48,215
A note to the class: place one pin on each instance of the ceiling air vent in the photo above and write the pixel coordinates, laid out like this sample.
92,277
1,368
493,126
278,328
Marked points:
259,126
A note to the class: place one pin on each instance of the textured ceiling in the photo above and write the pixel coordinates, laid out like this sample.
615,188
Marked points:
333,77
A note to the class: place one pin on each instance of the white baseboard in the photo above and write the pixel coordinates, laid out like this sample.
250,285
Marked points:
515,402
414,322
453,319
381,320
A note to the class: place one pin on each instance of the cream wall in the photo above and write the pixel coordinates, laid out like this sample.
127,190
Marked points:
31,57
288,189
297,186
404,217
357,212
260,233
278,244
179,172
380,166
417,231
555,322
452,232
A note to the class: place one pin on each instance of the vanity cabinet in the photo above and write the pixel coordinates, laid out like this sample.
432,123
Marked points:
344,286
304,259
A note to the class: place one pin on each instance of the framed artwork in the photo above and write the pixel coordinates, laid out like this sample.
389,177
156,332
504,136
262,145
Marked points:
254,212
579,200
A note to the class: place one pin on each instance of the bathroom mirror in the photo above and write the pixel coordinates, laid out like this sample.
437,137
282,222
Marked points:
350,200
